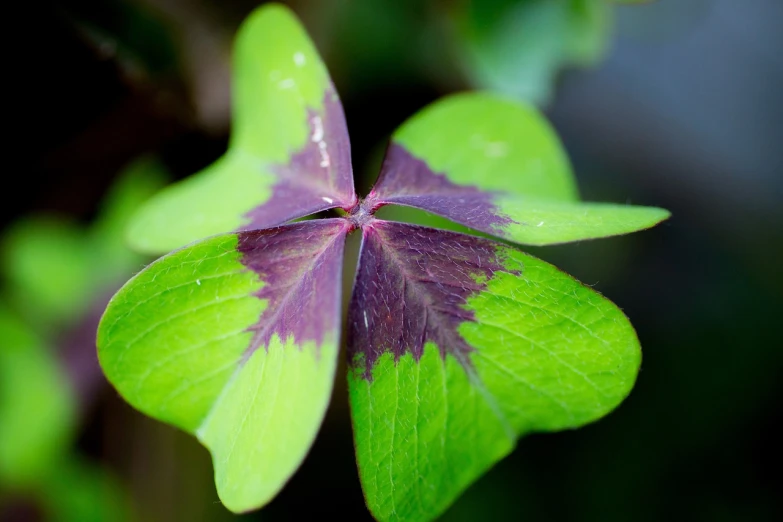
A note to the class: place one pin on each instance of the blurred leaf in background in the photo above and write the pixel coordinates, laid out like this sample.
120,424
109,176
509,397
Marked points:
519,46
56,274
79,491
38,424
37,405
55,269
49,288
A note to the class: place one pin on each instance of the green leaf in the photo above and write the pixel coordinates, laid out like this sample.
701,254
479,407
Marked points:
288,155
540,222
528,221
278,76
509,345
234,339
518,47
492,143
37,406
504,174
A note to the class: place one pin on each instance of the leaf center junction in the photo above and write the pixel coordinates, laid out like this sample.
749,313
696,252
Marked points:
363,212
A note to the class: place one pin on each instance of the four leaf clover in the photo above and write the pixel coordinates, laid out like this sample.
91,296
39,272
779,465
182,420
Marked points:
457,344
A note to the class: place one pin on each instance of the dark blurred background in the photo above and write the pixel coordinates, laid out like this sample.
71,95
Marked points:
673,103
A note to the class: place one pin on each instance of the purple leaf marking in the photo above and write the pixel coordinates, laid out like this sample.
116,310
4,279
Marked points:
301,267
411,287
318,177
407,180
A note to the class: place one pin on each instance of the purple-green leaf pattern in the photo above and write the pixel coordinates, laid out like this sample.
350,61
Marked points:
316,178
407,180
289,153
298,264
410,289
457,345
235,339
504,174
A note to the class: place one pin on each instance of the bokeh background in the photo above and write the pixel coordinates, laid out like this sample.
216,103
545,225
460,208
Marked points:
672,103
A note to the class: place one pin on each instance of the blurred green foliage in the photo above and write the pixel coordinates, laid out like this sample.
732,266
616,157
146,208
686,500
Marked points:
519,46
55,269
37,405
54,273
38,425
81,491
